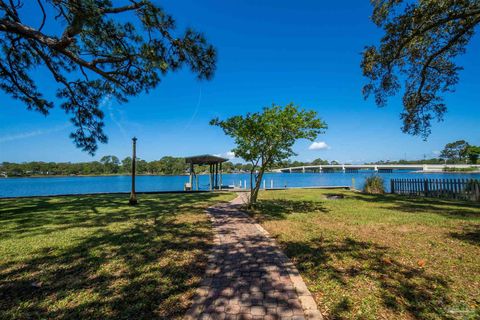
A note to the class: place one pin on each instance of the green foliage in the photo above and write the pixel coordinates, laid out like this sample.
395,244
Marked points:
127,165
473,153
296,163
420,43
95,50
169,165
374,185
319,161
419,161
110,165
264,138
470,169
455,150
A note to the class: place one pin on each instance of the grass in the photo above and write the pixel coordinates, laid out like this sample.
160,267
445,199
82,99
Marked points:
95,257
380,256
470,169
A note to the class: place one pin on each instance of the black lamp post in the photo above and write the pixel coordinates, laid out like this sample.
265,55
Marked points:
133,196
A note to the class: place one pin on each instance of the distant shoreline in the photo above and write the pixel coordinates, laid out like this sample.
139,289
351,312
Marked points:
109,175
91,175
201,174
447,172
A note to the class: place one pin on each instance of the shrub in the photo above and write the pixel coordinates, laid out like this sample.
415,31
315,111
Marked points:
374,185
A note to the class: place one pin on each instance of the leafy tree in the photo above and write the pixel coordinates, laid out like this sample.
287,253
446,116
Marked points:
283,164
168,165
127,165
110,163
473,153
227,166
319,161
421,40
238,166
94,167
141,166
298,163
455,151
102,50
263,138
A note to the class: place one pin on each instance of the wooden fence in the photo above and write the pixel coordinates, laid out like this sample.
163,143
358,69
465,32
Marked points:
464,189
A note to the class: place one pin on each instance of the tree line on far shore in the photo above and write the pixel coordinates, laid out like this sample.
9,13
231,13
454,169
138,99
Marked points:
455,152
112,165
107,165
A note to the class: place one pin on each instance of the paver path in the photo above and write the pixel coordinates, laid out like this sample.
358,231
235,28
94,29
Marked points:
248,277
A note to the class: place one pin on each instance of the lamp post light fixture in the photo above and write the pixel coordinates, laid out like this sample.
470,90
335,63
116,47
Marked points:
133,197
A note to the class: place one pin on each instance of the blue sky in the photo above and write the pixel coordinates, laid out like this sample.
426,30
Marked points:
306,51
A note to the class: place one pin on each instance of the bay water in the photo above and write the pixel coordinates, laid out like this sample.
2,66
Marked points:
42,186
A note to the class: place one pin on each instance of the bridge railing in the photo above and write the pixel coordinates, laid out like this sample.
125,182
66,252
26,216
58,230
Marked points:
463,189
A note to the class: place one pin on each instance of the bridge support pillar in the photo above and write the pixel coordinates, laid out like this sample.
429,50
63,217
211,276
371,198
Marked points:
303,169
375,168
343,167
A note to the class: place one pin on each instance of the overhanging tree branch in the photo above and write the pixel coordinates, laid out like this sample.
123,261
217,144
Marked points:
420,44
96,55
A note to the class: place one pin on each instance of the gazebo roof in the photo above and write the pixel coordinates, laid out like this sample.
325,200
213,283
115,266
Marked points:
205,159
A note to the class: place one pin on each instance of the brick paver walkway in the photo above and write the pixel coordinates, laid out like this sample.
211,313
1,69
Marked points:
248,276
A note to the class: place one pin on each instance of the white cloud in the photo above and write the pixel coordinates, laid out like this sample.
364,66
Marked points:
319,145
30,134
228,155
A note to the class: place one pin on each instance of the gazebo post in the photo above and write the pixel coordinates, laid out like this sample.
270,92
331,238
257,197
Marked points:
215,170
191,176
211,177
220,176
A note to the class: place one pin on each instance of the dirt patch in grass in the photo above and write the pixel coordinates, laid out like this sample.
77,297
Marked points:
95,257
381,256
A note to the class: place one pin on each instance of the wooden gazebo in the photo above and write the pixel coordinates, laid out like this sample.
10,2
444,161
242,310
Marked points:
215,170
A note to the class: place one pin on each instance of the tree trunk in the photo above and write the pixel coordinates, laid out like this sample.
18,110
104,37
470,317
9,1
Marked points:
254,191
251,189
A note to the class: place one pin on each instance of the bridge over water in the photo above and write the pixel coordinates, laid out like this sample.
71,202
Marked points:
377,167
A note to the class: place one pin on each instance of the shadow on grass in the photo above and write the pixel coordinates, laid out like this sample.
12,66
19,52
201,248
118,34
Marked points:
278,209
470,234
45,215
454,209
402,288
130,262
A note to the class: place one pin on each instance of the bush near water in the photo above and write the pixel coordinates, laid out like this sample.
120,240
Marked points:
374,185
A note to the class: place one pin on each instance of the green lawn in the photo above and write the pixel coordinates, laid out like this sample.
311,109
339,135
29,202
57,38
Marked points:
380,257
94,257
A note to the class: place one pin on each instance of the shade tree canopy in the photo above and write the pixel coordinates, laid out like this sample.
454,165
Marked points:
420,42
473,153
92,49
265,138
455,151
111,164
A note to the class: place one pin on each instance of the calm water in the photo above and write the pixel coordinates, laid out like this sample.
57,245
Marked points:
15,187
